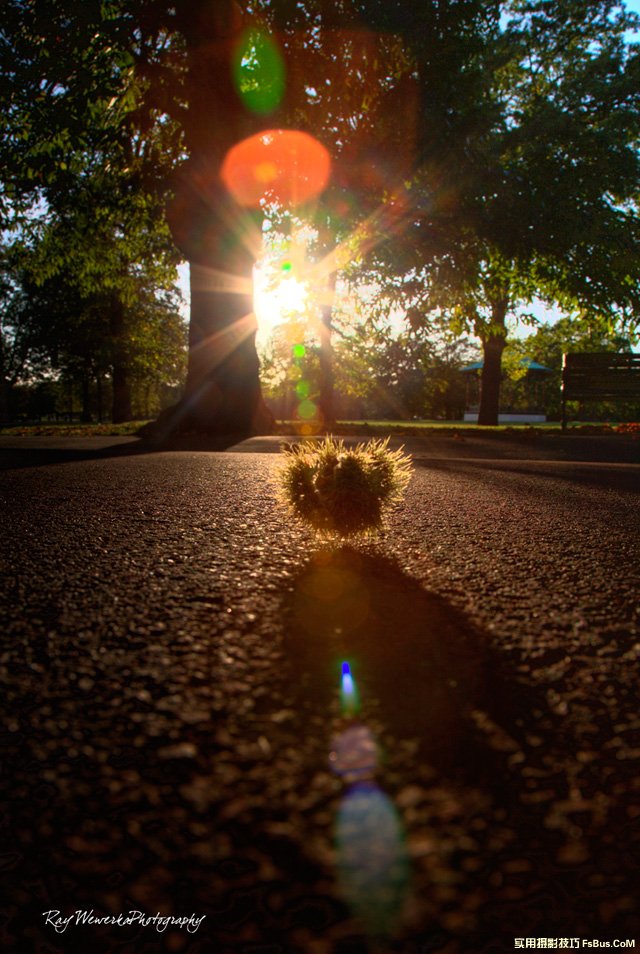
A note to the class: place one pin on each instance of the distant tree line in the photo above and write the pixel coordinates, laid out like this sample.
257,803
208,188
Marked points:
483,154
71,352
394,372
396,376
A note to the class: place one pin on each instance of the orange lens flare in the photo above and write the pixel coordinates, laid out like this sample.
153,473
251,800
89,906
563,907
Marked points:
279,165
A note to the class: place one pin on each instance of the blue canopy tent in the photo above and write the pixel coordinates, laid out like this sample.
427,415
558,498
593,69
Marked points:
527,363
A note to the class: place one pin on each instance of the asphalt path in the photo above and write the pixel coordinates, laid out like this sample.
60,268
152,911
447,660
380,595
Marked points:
178,746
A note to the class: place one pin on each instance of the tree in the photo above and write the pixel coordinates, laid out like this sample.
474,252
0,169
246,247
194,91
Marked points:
576,333
135,85
562,221
75,148
540,194
291,374
350,86
520,134
391,369
51,330
100,266
86,310
21,352
114,74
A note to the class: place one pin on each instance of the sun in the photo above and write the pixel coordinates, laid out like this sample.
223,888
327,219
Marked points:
277,296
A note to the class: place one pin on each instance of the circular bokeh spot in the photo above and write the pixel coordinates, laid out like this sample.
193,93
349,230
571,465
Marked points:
354,753
307,409
299,351
278,165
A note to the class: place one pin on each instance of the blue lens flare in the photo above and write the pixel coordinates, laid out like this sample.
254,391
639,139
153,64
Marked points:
348,691
372,860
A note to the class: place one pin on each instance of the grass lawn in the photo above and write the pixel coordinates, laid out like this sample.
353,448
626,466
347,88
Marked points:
343,428
72,430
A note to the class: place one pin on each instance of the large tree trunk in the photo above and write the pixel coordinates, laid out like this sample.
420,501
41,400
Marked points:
493,342
5,414
85,416
327,253
223,380
220,240
121,406
327,377
99,396
5,386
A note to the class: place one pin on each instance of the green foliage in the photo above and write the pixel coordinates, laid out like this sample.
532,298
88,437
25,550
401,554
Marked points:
483,152
129,429
549,343
529,178
384,369
343,491
57,325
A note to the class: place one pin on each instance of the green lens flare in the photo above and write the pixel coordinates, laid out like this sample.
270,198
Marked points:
302,389
372,862
307,410
299,351
286,266
258,72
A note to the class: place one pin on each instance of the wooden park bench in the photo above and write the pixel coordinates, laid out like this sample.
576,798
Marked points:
600,376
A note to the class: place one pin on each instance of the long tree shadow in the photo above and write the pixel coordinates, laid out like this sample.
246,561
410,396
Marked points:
611,475
18,454
431,671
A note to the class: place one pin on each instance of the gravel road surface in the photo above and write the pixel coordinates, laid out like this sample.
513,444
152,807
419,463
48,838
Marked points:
177,745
